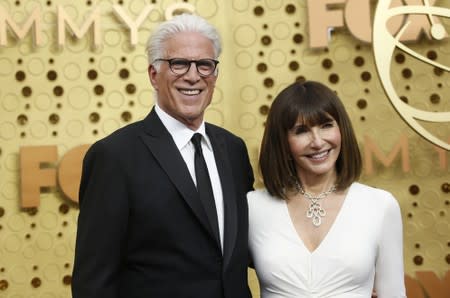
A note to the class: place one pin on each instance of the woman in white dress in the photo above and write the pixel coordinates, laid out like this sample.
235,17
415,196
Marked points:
314,230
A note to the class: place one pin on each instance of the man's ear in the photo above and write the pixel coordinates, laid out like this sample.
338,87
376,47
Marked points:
152,73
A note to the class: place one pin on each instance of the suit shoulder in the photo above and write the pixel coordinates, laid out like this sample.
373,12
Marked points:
120,139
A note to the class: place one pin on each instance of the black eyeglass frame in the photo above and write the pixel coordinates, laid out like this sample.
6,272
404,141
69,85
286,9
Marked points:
189,63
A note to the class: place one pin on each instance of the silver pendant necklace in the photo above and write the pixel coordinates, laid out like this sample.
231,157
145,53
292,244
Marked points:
315,211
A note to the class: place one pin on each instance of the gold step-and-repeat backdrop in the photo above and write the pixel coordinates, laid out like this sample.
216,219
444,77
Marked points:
72,72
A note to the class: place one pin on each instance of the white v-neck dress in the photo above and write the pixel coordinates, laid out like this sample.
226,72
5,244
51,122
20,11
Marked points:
363,247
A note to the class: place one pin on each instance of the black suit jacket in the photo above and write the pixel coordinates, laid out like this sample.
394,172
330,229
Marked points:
142,230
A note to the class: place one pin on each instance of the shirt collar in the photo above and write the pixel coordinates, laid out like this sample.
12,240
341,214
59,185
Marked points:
180,133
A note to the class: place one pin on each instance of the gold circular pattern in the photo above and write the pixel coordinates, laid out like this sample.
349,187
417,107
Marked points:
414,189
12,243
359,61
281,31
327,63
94,117
36,66
418,260
268,82
3,285
333,78
52,75
445,187
36,282
75,128
110,125
366,76
72,71
60,250
99,89
277,58
249,94
258,11
53,119
92,74
107,65
130,88
298,38
435,98
49,220
124,73
126,116
67,280
10,102
139,63
22,119
247,121
294,66
245,35
266,40
43,101
78,98
290,9
58,91
27,91
18,274
44,241
6,67
407,73
264,110
20,76
112,38
432,55
362,104
261,67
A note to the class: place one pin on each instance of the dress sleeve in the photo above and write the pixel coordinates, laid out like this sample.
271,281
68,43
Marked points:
389,272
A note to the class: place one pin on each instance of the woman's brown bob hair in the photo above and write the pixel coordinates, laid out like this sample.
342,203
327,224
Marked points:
311,102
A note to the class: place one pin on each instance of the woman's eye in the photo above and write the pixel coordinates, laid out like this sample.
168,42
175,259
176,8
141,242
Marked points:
300,130
328,125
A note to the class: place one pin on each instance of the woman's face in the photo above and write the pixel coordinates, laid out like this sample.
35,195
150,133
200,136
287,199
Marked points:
315,149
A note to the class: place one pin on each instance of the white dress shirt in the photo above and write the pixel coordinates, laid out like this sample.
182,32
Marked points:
182,135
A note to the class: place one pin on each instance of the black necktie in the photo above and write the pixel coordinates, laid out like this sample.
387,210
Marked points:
204,184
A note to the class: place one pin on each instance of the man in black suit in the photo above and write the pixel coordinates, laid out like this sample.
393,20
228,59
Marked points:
143,230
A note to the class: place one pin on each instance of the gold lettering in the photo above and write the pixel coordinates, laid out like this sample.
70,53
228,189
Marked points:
358,19
36,172
413,288
20,32
69,171
442,154
93,19
322,20
133,25
434,287
370,149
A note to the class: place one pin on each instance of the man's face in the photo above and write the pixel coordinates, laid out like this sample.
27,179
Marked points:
184,97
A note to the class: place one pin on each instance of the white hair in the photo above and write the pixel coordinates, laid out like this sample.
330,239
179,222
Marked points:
181,23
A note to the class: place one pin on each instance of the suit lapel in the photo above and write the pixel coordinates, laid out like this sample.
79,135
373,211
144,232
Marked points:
160,143
228,190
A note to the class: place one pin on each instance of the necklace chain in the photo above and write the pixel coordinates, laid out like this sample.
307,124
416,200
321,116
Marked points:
315,211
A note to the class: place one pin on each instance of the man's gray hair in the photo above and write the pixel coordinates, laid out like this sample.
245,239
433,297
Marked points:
181,23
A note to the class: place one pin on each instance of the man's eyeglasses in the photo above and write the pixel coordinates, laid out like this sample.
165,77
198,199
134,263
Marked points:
180,66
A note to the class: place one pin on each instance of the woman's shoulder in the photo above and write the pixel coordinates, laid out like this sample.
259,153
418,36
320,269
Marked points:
371,194
261,197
